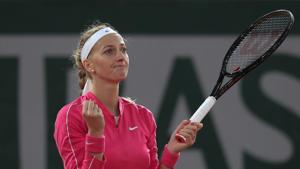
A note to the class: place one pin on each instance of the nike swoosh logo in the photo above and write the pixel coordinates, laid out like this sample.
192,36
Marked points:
132,128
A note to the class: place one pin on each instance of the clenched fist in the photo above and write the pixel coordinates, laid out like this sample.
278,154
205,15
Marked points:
93,117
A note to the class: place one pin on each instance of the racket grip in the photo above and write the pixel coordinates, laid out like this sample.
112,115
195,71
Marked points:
203,109
200,113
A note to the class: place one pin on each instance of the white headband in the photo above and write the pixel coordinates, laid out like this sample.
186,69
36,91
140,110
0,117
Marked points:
89,44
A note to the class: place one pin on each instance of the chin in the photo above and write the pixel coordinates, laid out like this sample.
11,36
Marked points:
123,75
121,78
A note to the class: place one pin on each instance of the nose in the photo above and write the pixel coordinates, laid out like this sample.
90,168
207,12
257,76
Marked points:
121,56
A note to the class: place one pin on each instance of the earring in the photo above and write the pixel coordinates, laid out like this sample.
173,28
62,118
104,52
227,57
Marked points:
92,70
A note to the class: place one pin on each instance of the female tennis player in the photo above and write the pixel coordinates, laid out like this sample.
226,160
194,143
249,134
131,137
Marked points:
100,129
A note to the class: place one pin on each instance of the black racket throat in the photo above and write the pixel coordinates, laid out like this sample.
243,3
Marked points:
220,89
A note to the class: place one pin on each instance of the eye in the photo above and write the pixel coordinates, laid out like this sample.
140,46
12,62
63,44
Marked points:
124,49
109,51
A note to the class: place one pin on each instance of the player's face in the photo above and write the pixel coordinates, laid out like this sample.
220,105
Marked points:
110,59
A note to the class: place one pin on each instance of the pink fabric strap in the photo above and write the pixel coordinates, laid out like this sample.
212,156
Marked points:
169,159
95,144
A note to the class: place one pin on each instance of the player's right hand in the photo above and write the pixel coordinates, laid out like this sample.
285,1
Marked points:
93,117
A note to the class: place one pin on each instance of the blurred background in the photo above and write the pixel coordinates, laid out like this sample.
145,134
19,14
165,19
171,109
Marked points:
176,48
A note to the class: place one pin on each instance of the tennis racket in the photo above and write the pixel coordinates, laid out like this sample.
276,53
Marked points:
249,50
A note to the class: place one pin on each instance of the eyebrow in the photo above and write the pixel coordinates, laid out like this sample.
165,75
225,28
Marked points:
109,46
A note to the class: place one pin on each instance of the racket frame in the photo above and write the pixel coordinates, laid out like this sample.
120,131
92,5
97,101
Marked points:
218,91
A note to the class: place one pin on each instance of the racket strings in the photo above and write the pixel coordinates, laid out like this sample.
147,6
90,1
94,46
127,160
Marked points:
257,42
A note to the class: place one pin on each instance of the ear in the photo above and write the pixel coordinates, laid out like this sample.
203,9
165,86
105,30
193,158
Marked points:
88,66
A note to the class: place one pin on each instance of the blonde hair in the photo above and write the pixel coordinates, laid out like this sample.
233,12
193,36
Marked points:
85,35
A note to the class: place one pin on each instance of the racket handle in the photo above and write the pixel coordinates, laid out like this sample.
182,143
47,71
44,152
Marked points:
200,113
204,108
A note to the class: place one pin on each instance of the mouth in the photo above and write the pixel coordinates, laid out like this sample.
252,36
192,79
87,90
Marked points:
120,66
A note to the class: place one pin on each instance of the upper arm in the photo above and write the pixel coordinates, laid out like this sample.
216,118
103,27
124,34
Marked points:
69,135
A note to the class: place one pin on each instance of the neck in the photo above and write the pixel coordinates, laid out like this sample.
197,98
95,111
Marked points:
108,94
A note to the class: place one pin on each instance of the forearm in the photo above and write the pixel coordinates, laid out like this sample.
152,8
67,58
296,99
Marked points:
98,156
163,167
83,155
168,159
98,139
94,150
